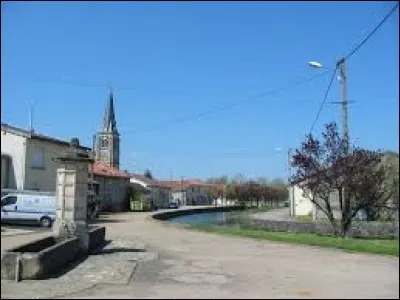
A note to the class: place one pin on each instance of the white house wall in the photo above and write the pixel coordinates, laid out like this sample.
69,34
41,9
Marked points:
302,205
42,179
14,146
181,196
196,195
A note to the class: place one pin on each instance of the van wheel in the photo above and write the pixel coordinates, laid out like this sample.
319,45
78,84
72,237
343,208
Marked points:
45,222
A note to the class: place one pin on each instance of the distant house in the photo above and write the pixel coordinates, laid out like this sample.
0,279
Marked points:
190,192
27,159
113,186
160,193
301,205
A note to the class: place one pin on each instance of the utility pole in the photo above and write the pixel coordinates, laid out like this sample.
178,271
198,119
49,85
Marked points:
341,65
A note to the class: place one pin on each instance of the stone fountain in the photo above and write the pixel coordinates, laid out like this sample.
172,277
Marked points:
72,237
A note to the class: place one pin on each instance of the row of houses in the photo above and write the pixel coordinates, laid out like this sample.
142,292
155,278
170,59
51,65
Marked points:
27,163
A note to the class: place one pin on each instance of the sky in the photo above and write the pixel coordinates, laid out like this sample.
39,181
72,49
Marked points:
197,85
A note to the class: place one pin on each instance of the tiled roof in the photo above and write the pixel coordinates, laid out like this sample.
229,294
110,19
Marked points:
178,185
103,169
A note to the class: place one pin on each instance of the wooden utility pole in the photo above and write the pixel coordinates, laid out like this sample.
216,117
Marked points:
341,65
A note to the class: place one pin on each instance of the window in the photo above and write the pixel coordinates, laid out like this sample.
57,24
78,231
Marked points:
38,158
9,200
103,142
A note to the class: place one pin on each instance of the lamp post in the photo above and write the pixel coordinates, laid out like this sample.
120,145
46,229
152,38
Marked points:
341,66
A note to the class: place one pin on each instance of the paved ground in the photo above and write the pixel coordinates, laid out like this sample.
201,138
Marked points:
179,263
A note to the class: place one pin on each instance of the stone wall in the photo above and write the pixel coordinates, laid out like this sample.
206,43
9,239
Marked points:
112,192
97,237
358,229
46,256
190,211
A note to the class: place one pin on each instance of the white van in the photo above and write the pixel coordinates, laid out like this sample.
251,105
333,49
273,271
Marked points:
25,208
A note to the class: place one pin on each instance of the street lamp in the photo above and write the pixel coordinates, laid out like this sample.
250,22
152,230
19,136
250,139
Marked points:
341,65
318,65
315,64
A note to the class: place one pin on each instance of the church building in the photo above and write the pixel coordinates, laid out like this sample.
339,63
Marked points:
113,183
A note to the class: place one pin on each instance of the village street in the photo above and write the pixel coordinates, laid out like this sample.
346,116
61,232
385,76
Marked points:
149,259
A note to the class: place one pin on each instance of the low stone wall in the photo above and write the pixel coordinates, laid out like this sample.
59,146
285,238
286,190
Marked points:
97,237
165,215
44,257
358,229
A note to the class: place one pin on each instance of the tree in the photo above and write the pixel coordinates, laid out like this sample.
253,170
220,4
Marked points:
325,168
231,191
148,174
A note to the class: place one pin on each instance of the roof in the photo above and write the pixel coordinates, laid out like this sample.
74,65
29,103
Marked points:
37,136
149,182
109,122
102,169
179,185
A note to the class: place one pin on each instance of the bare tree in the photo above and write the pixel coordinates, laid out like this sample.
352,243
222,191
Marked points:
326,167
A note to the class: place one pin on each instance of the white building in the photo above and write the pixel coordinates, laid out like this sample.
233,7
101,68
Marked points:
160,193
190,192
301,205
27,159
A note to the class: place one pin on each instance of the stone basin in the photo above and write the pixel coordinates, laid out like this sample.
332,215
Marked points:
47,256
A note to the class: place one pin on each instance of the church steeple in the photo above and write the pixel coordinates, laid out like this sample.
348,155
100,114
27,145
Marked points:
107,148
109,122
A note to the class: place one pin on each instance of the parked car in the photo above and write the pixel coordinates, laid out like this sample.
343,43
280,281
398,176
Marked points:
173,205
25,208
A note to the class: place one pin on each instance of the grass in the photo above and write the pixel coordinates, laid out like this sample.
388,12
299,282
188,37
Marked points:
376,246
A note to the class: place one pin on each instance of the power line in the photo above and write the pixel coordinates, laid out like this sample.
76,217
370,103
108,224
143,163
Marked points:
323,101
94,85
347,57
373,31
228,105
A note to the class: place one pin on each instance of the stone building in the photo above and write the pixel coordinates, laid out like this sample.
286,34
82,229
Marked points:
159,193
113,183
190,192
27,159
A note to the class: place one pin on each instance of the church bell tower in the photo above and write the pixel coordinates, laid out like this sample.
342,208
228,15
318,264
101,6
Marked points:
108,138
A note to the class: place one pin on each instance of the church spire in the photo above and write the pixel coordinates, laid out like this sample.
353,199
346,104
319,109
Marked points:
109,122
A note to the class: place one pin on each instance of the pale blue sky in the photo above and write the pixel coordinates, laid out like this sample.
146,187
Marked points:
172,60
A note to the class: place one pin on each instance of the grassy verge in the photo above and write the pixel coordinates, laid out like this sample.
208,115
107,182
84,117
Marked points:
388,247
